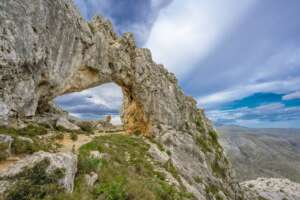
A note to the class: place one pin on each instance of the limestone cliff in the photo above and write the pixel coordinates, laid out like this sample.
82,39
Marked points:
47,49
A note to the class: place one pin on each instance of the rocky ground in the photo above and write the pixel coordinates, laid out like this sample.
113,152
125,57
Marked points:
107,165
274,188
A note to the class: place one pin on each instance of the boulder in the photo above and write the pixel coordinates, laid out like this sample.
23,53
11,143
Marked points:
5,146
91,178
98,155
66,124
62,161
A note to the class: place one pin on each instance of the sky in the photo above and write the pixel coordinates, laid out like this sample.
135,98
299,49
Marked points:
239,60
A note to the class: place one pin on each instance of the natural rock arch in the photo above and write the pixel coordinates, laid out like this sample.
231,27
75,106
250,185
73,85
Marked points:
51,52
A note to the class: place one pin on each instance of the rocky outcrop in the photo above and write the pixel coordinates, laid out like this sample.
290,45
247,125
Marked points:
91,178
51,51
64,123
274,188
47,50
66,162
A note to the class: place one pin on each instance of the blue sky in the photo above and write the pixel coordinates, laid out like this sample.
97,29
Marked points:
239,60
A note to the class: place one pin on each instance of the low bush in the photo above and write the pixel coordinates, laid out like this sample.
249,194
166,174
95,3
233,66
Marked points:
114,190
3,152
36,183
74,136
31,130
24,147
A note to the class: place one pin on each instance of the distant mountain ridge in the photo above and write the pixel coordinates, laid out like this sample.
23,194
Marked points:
262,152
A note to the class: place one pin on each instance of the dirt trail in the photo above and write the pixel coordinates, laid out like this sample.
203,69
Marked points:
67,145
9,162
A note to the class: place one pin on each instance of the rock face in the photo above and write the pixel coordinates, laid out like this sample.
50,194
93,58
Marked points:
47,50
51,51
65,161
64,123
274,188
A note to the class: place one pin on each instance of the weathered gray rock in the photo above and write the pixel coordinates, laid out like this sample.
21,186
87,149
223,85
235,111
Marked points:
65,161
95,154
157,154
6,142
67,54
98,155
91,178
274,188
47,50
66,124
4,185
25,139
4,111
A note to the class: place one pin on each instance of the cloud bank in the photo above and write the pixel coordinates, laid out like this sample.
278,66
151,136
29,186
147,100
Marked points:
187,31
94,103
127,15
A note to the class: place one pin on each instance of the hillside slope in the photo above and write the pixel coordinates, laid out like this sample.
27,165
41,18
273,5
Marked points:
262,152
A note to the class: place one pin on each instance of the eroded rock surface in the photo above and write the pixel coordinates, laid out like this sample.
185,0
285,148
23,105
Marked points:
65,161
5,146
274,188
51,51
47,50
64,123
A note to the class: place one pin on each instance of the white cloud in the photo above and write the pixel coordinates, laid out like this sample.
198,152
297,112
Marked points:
93,103
294,95
109,95
116,120
268,115
187,31
218,98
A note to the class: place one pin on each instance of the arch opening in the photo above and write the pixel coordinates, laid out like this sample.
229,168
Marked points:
94,103
108,100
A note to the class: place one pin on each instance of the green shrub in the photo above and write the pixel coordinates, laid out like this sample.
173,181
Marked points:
218,170
169,152
74,136
204,144
3,152
214,136
211,189
36,183
88,164
33,130
86,127
59,136
114,190
198,179
24,147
